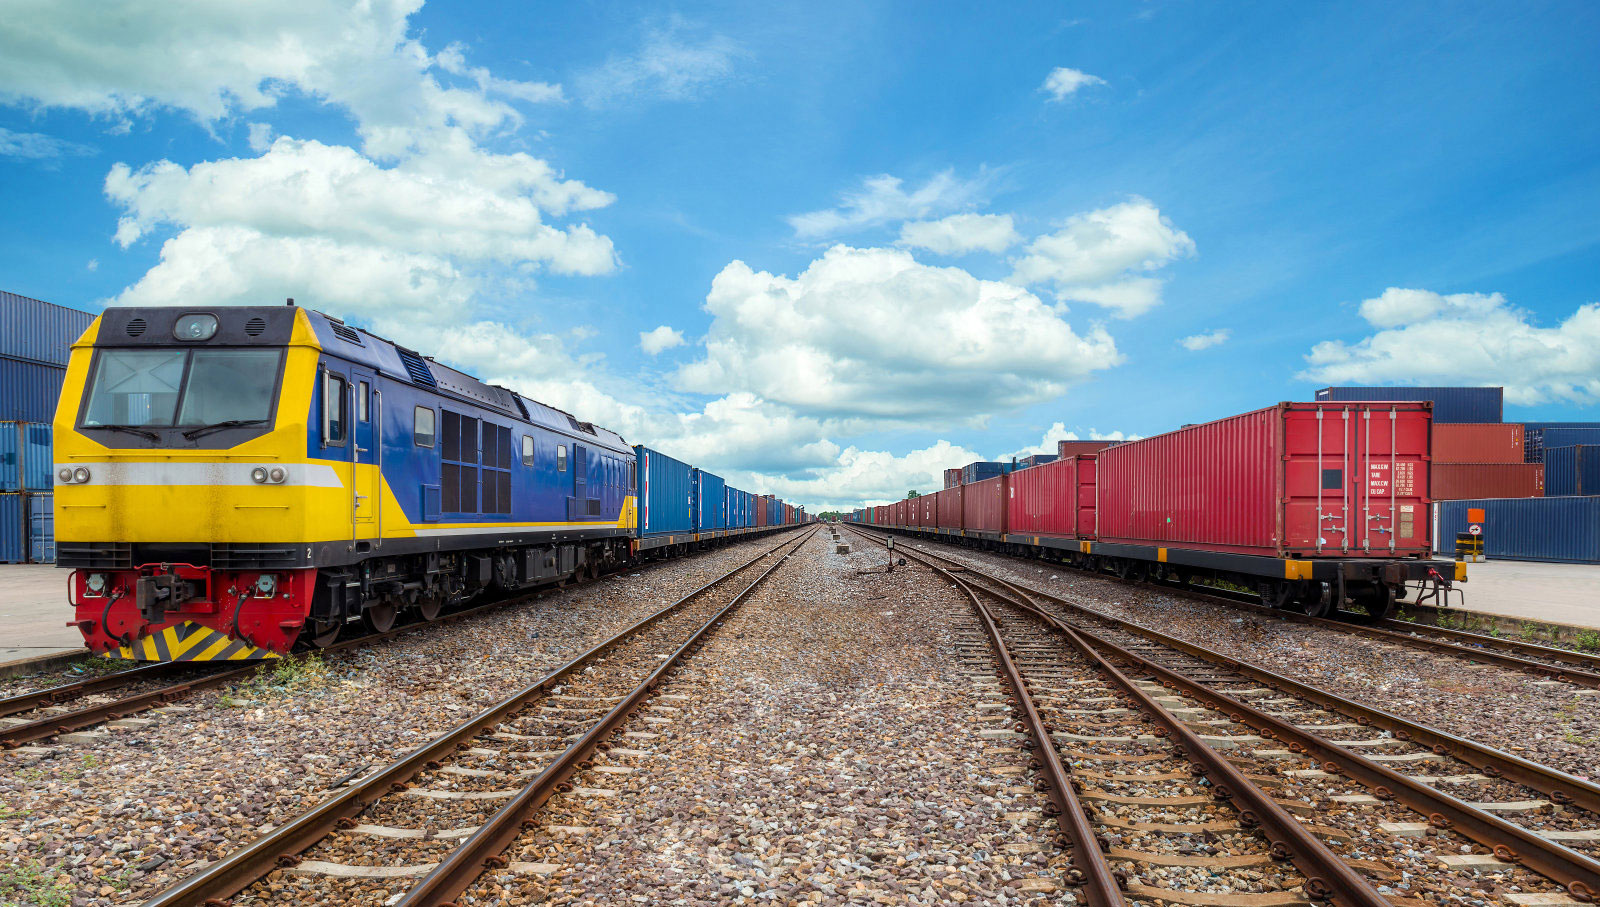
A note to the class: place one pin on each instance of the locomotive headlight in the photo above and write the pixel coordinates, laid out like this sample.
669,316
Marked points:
80,475
195,327
96,584
266,584
277,475
65,475
259,475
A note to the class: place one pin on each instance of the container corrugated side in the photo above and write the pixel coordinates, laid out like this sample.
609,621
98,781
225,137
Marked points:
664,493
1296,479
38,462
1570,470
983,506
952,477
29,391
929,515
1477,442
39,331
1450,404
13,529
41,528
950,507
1076,448
10,456
1563,530
1533,437
1042,500
1456,481
710,501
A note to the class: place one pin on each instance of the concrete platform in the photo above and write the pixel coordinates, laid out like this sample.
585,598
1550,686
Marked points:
1558,593
34,613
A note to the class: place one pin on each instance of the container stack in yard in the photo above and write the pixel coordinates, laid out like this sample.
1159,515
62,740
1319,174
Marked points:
1538,436
983,469
952,477
1572,470
35,342
1450,404
1560,530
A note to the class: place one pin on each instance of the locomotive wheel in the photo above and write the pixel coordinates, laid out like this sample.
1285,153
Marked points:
323,637
379,616
429,607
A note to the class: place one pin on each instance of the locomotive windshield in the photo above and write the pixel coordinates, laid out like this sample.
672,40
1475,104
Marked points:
167,387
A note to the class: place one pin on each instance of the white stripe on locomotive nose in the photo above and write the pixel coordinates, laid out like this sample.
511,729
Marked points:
185,475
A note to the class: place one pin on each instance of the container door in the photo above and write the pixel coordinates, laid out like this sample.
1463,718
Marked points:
364,454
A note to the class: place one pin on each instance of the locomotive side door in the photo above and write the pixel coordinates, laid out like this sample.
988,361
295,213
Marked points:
365,455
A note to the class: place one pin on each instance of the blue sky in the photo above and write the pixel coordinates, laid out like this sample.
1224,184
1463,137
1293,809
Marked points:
830,249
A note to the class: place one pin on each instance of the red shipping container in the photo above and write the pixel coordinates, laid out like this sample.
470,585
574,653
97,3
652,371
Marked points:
1477,442
1056,499
1077,448
952,477
1465,481
927,511
1292,480
950,508
983,505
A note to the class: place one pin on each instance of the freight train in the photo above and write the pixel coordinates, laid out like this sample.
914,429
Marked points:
1319,507
233,482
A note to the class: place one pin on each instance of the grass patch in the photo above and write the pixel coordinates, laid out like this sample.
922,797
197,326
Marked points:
291,676
26,882
1587,640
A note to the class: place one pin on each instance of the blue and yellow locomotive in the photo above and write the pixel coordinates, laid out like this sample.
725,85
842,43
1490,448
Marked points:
232,481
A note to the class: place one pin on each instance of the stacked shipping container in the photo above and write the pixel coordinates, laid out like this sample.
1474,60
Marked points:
1572,470
1450,404
1565,529
1075,448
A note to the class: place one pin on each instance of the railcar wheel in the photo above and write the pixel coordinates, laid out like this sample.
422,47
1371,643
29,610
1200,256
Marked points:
325,636
1317,600
1123,568
429,607
1277,594
1378,600
379,616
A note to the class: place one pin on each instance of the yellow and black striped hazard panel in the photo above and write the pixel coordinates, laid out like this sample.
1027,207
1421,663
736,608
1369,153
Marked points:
190,641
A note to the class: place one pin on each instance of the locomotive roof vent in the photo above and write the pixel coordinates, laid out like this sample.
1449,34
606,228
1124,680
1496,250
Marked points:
345,332
255,326
136,327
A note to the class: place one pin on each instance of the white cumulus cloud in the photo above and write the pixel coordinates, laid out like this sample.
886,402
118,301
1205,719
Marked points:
1205,341
38,147
1064,81
1428,338
872,333
959,234
884,198
660,339
1104,257
1058,432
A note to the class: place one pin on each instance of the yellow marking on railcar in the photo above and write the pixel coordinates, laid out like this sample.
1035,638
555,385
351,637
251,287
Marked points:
1161,555
190,641
1293,569
1461,571
1085,547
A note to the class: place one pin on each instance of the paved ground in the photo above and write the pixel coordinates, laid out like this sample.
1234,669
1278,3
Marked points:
1561,593
34,612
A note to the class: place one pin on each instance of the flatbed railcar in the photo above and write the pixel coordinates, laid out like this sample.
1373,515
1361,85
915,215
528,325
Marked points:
1315,506
233,482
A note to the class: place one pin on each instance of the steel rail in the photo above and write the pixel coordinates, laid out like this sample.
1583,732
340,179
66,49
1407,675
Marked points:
76,720
1559,786
481,851
1327,876
1578,873
247,865
1100,888
33,699
1469,638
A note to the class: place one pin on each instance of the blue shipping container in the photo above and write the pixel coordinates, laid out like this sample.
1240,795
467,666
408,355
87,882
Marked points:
1574,469
1450,404
10,456
38,464
41,528
710,501
1533,437
29,391
39,331
13,529
1565,530
665,492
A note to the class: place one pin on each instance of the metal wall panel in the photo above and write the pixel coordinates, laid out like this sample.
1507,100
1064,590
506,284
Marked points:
710,494
38,461
1455,481
1043,499
983,505
950,508
29,391
41,528
1565,529
1574,469
10,456
1450,404
1296,479
664,494
13,529
1478,442
39,331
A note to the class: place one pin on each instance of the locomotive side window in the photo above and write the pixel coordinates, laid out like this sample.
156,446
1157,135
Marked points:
527,450
561,458
363,391
422,427
496,469
335,397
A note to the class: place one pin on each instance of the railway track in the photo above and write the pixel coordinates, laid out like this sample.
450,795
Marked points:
39,715
1377,776
438,818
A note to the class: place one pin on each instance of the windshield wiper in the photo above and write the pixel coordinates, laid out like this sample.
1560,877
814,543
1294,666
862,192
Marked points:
130,429
193,433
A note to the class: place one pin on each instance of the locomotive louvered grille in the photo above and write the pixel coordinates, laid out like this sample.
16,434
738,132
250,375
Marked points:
136,327
255,326
345,333
253,557
98,555
416,367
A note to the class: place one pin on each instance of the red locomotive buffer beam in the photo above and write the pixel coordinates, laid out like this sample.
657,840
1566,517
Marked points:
180,612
